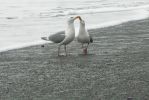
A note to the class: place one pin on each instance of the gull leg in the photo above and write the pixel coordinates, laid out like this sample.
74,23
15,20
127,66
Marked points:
65,50
82,45
85,49
59,50
87,45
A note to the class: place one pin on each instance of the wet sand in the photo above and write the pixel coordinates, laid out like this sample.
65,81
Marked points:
116,68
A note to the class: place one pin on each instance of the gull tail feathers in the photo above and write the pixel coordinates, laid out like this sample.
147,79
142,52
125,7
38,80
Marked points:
91,39
45,38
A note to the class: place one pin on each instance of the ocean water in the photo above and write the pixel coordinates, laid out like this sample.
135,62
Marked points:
23,22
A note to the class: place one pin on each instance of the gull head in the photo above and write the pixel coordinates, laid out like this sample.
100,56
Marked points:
82,22
72,19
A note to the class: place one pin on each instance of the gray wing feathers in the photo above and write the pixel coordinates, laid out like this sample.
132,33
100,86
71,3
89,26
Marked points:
56,38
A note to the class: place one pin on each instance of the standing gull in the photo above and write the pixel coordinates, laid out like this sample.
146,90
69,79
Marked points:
64,37
84,37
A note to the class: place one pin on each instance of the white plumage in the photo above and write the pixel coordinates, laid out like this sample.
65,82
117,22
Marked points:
84,37
64,37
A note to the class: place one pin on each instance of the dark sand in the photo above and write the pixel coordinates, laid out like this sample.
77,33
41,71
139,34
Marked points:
116,68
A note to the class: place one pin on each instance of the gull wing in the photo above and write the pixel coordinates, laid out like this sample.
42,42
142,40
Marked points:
55,38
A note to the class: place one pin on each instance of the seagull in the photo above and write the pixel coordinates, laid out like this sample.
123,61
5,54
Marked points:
84,37
63,37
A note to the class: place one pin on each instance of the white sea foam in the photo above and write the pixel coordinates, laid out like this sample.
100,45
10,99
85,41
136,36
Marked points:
96,10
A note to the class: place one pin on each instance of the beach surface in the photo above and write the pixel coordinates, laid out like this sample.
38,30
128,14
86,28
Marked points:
116,68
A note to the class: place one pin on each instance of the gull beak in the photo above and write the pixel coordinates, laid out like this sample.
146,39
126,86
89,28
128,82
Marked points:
77,18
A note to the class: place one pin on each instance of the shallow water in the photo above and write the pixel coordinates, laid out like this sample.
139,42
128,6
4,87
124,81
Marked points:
23,22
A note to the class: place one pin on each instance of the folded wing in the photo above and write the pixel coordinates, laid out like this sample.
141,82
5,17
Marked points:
55,38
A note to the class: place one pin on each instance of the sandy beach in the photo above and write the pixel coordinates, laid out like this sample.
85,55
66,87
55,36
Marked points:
116,68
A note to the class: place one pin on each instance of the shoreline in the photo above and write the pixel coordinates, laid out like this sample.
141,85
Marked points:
104,25
115,69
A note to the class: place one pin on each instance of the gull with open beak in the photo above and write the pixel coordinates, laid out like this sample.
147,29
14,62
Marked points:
64,37
84,37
